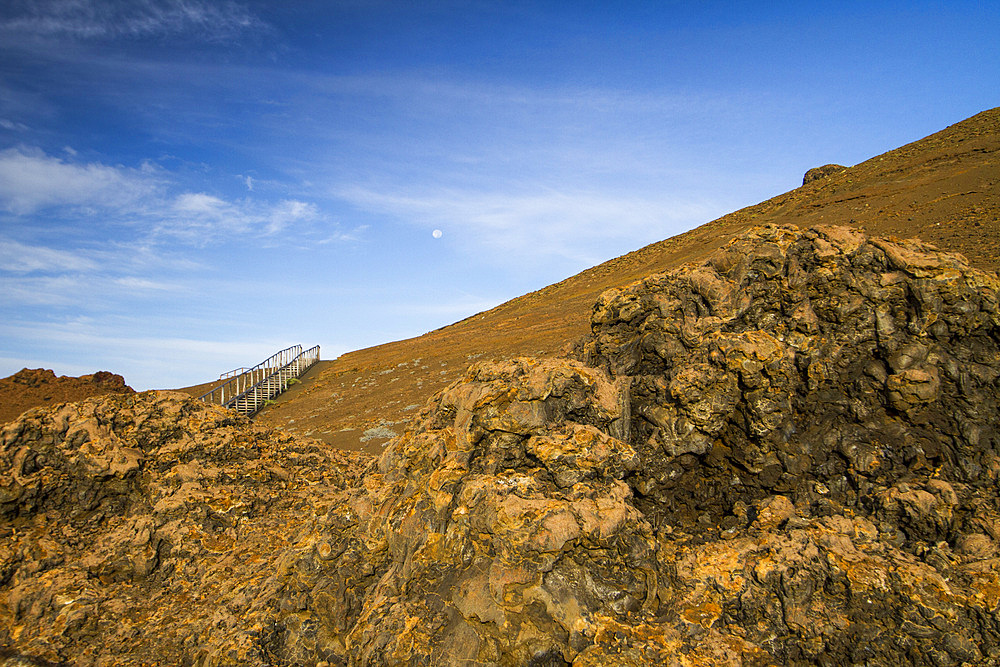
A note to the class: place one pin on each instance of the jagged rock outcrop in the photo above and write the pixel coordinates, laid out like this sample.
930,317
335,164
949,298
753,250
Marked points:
148,528
817,173
844,388
787,455
793,358
32,387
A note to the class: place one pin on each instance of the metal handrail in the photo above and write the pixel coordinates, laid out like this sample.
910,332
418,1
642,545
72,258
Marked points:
241,383
248,391
233,373
274,384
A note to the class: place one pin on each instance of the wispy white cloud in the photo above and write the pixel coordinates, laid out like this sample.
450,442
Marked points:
30,180
203,218
200,206
13,126
136,284
289,212
139,199
446,92
87,334
89,290
20,258
338,236
56,291
571,225
102,19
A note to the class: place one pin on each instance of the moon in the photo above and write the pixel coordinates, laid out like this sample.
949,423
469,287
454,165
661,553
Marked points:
436,233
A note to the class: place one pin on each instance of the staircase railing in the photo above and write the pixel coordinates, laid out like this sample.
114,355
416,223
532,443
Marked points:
249,390
233,373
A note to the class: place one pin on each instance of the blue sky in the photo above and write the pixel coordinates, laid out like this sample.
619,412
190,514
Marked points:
187,186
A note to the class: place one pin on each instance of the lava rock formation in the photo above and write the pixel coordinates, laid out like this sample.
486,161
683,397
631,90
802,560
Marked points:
786,455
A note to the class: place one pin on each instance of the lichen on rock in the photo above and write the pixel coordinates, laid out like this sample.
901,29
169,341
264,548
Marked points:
147,529
785,455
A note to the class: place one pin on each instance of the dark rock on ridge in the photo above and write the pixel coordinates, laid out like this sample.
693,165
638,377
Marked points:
36,377
787,455
817,173
33,377
32,387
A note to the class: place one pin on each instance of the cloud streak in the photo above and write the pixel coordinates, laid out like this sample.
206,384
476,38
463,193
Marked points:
548,223
94,19
91,290
20,258
138,199
200,218
31,180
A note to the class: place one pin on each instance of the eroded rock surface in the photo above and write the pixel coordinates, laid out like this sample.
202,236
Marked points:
150,529
817,173
787,455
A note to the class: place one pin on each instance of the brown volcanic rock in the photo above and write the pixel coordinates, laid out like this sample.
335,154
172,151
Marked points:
148,528
944,189
786,455
32,387
735,482
510,522
817,173
888,348
740,485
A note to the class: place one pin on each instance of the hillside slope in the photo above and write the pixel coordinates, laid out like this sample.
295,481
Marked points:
944,189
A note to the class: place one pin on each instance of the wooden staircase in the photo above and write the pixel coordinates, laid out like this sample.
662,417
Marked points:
249,389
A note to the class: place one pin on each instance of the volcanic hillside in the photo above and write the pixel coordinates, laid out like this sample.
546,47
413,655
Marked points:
944,189
786,453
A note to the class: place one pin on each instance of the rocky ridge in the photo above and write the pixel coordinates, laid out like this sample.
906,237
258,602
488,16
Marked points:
784,455
31,387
